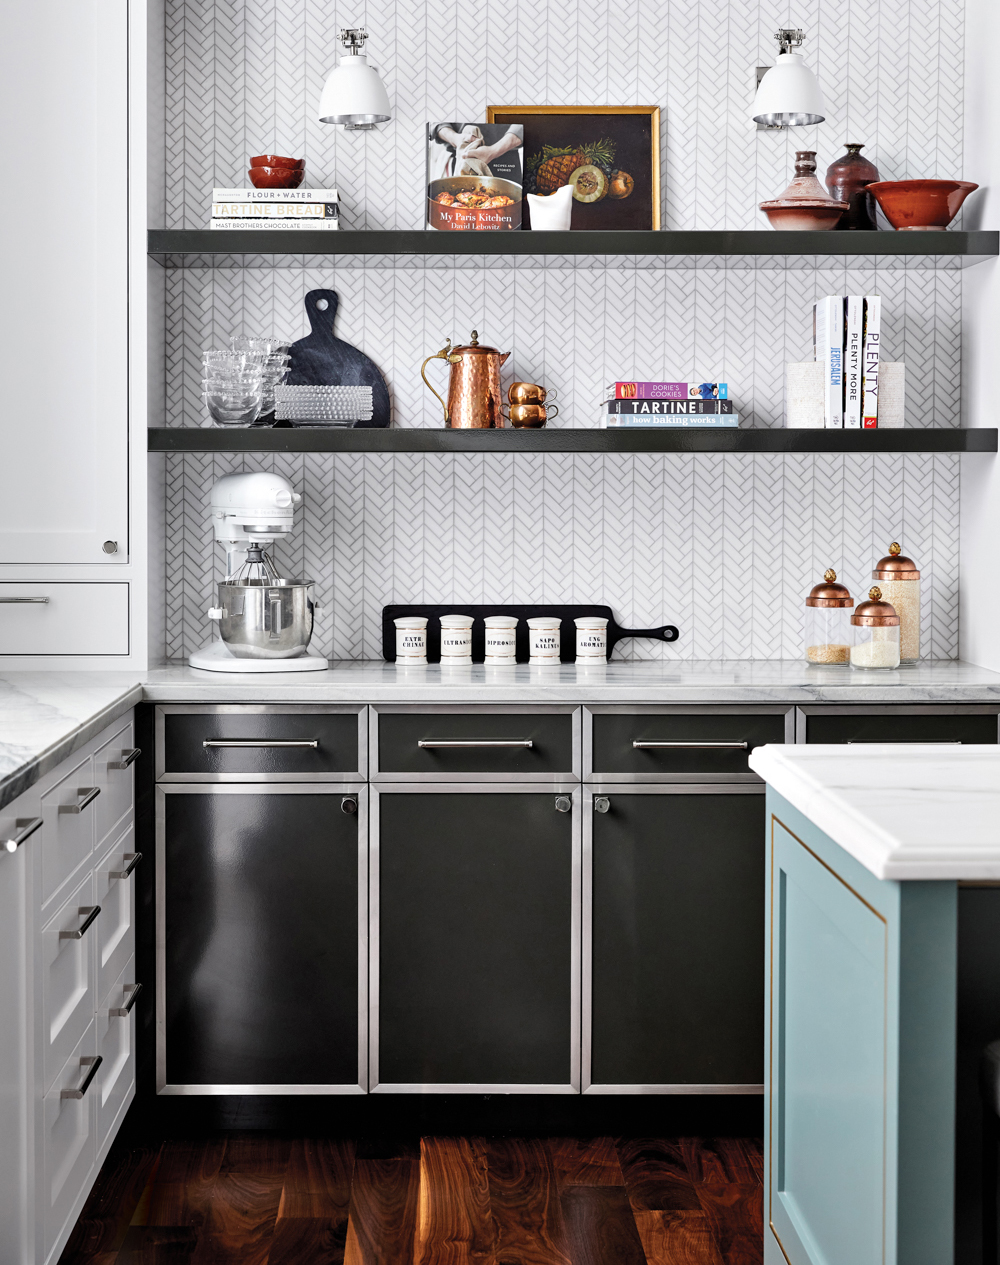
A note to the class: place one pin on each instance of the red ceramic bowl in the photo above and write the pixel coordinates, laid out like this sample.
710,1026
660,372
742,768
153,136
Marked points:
276,177
275,160
930,205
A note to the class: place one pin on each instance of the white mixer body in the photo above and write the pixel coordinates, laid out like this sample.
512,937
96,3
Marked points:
253,507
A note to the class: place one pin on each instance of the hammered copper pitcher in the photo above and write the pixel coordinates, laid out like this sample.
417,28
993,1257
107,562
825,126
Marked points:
473,385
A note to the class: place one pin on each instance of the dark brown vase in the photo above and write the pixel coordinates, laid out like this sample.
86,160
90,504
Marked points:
847,179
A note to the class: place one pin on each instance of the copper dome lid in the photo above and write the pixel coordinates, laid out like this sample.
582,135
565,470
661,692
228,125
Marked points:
895,567
875,613
829,593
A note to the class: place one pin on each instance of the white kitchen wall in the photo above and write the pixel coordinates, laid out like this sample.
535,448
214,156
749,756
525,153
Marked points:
724,547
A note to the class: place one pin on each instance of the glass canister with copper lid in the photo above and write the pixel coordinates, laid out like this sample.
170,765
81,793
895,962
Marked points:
829,634
876,634
899,580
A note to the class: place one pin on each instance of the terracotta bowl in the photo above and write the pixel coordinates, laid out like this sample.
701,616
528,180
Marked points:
275,160
803,216
276,177
930,205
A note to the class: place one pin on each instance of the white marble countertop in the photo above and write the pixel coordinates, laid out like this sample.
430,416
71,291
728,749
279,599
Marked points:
904,812
45,716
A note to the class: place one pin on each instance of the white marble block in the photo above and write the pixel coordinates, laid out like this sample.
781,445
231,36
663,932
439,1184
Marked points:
804,395
891,392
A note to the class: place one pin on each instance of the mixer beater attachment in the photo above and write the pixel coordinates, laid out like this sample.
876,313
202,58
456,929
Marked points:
257,568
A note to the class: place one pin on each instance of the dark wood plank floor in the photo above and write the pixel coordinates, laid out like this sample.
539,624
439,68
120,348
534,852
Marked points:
247,1199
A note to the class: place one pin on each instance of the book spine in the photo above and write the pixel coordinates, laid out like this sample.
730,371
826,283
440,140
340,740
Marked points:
667,391
854,312
870,361
624,421
661,408
275,195
276,210
276,225
828,349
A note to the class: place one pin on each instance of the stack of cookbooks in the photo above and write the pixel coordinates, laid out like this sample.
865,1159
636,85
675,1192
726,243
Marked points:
847,339
284,210
669,404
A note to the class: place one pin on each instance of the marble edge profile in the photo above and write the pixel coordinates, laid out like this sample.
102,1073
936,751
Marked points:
24,777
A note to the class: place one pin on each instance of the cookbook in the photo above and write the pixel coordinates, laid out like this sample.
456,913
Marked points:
474,176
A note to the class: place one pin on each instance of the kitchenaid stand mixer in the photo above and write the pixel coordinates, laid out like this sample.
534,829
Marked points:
265,622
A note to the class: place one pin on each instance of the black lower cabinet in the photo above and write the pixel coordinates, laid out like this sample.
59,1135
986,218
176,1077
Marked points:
677,954
258,938
477,939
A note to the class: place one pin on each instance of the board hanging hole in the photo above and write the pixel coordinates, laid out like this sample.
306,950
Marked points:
322,305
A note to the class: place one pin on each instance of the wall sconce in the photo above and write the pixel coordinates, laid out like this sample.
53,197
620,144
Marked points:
354,96
787,92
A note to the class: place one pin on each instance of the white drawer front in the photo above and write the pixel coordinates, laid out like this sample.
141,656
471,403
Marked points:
116,783
68,1146
116,1046
68,994
115,928
67,837
63,618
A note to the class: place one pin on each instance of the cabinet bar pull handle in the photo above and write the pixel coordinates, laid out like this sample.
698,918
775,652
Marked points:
24,601
262,742
26,827
121,1012
906,742
129,757
91,911
133,859
475,742
93,1062
89,794
692,746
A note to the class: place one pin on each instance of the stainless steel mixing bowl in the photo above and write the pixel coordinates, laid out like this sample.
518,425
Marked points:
266,621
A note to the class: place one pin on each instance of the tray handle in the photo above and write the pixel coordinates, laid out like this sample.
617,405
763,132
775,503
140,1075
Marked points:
668,632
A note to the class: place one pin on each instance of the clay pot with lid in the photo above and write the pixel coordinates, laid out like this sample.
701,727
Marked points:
899,580
828,633
804,205
847,179
876,634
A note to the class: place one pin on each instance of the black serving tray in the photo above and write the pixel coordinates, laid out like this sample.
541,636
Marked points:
567,647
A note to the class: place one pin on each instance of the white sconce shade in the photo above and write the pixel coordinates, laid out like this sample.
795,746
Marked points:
789,95
354,95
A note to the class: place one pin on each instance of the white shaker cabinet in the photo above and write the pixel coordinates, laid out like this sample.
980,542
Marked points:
67,990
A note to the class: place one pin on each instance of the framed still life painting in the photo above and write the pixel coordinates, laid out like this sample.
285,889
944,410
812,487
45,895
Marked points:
609,154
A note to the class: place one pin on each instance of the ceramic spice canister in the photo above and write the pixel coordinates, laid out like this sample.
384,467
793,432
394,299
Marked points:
847,179
829,633
804,204
501,639
876,634
591,639
456,639
544,640
411,639
899,580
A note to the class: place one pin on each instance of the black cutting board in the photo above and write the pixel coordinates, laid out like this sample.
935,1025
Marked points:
322,359
567,645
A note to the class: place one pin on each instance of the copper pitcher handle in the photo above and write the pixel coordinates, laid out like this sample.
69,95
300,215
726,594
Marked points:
443,354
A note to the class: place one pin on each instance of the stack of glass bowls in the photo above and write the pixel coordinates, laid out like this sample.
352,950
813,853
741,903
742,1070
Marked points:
238,385
317,405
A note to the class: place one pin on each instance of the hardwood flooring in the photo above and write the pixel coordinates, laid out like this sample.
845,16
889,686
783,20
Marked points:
247,1199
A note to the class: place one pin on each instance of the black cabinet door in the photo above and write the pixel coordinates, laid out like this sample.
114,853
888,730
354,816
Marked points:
477,939
921,724
677,943
258,916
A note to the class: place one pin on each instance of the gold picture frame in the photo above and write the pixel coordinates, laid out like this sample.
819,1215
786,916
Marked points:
540,127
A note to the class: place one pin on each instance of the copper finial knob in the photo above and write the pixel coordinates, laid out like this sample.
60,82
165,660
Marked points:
829,575
475,338
875,594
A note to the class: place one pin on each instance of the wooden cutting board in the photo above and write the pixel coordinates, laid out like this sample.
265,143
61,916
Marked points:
322,359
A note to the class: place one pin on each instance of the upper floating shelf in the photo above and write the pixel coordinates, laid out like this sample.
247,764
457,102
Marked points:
919,249
566,440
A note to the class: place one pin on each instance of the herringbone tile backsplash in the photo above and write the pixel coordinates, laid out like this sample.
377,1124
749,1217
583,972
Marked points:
726,547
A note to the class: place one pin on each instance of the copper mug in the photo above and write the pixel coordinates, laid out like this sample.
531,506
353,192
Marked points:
524,415
528,393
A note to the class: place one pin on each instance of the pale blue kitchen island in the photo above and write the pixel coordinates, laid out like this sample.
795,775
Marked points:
866,851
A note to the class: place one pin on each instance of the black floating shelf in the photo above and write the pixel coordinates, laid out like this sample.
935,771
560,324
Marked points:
935,247
418,439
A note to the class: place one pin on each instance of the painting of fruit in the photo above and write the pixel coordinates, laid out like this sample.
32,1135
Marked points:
608,154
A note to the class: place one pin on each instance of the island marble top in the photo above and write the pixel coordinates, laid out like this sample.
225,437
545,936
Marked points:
45,716
904,812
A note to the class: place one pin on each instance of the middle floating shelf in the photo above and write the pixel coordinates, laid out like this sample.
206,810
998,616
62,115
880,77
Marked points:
567,439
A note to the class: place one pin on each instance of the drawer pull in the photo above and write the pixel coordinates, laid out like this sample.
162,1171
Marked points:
692,746
564,804
91,911
907,742
88,793
133,859
312,743
26,827
602,804
121,1012
93,1062
129,758
24,601
429,743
